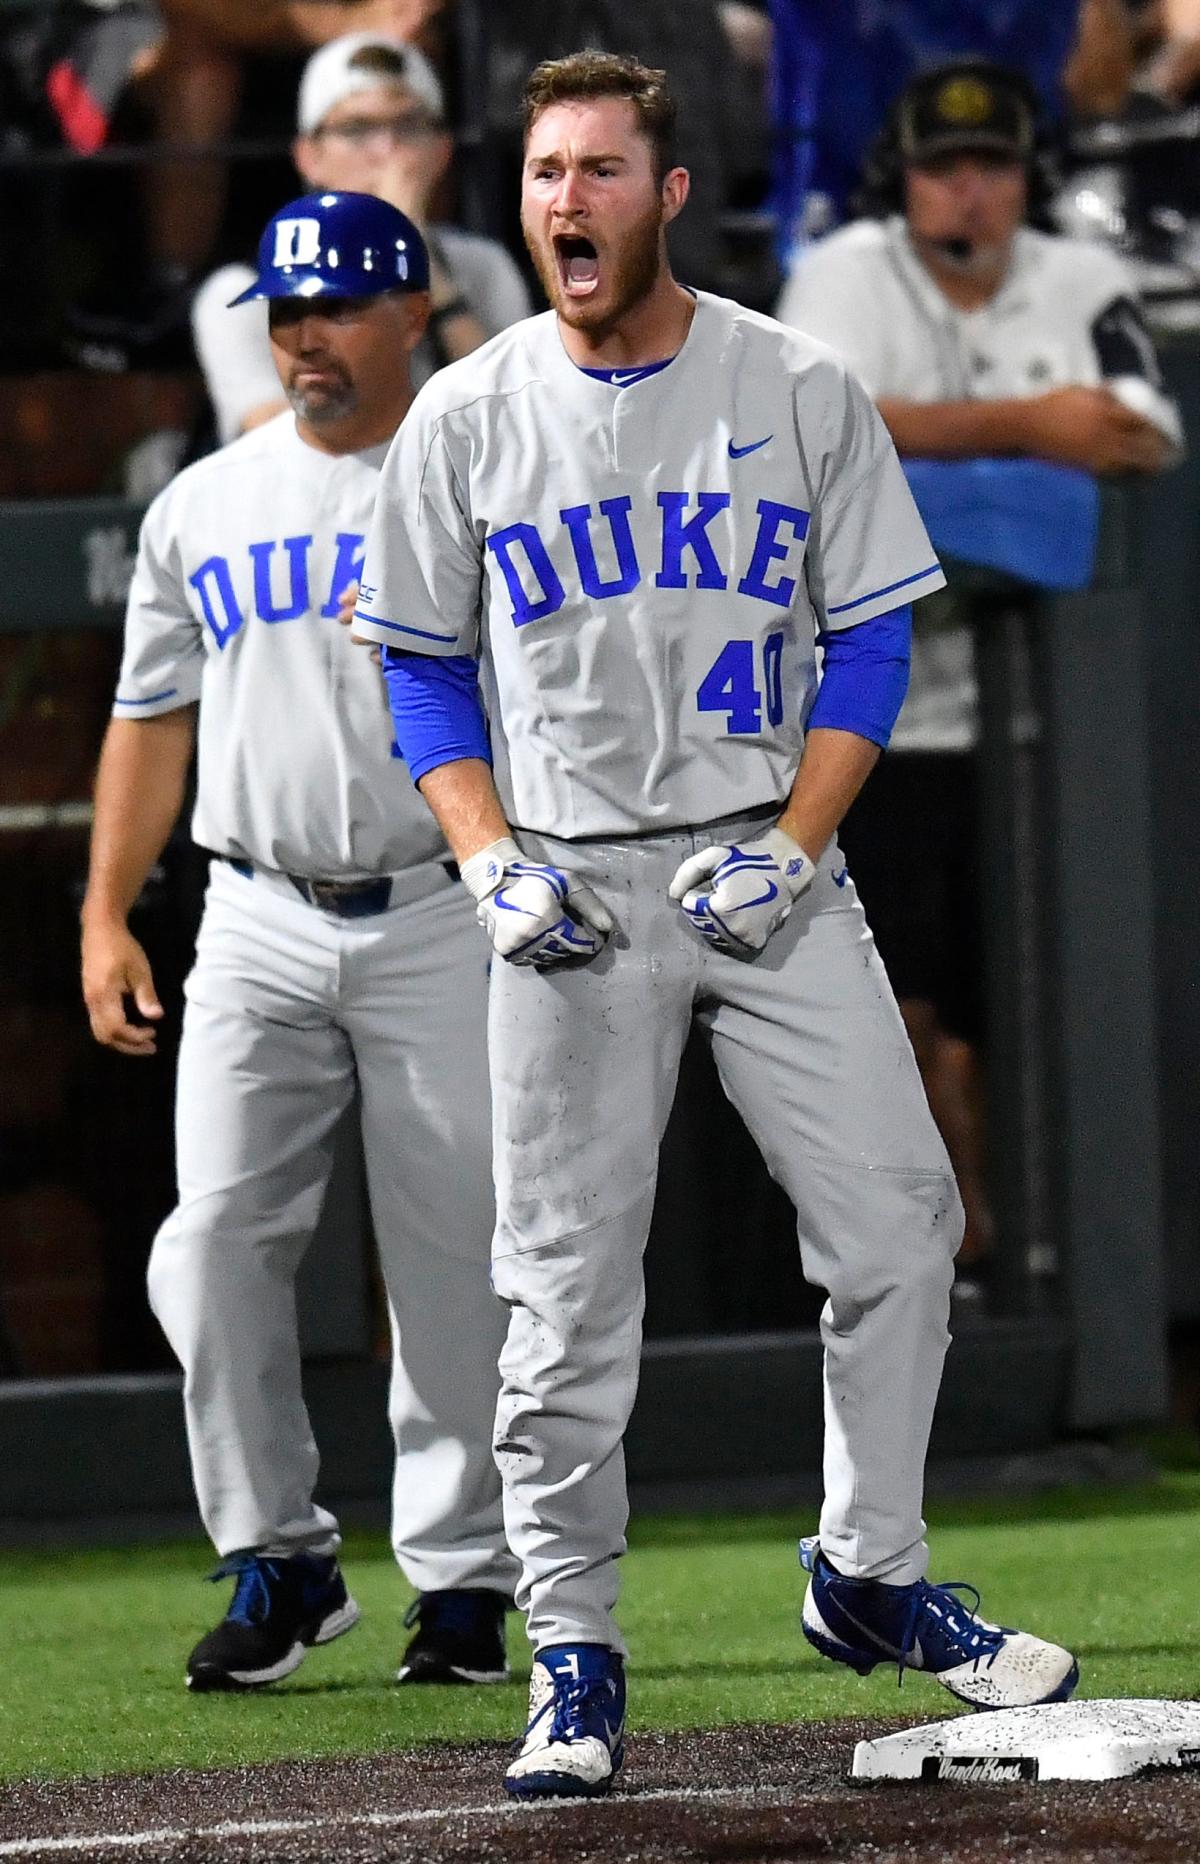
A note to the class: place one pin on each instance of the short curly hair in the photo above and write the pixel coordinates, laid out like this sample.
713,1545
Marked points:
585,75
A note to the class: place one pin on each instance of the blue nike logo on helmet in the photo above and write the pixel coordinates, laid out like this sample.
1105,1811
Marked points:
739,453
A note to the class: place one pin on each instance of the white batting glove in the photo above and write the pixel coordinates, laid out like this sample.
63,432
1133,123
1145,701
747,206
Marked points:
534,914
737,896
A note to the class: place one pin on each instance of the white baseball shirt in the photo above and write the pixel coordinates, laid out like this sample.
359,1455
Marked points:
1066,314
642,567
234,603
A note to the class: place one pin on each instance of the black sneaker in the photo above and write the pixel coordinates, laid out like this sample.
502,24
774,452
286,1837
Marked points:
279,1608
460,1638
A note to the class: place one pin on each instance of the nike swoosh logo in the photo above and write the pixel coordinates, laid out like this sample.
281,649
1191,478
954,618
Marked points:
916,1657
839,880
626,377
704,904
764,899
739,453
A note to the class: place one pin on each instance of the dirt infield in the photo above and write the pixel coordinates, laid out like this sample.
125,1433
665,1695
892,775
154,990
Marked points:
734,1796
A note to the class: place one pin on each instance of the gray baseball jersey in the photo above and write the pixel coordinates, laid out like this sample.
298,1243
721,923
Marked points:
642,567
234,601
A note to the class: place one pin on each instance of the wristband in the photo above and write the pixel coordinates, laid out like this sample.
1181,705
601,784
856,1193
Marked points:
789,857
481,872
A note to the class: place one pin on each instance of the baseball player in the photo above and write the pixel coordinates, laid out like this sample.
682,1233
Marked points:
335,949
639,512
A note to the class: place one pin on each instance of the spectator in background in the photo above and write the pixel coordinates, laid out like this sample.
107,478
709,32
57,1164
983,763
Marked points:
182,63
196,88
1151,47
1097,75
370,120
1168,32
976,335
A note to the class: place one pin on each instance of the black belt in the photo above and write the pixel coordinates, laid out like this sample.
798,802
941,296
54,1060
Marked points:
349,899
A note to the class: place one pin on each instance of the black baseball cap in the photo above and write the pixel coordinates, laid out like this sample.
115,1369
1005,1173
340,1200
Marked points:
968,104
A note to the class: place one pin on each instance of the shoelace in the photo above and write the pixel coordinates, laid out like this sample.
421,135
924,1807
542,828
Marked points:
252,1595
566,1708
981,1641
570,1703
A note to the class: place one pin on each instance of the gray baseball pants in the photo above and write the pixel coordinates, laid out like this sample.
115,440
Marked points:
287,1007
812,1052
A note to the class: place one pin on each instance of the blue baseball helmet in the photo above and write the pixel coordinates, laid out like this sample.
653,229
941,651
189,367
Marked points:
334,245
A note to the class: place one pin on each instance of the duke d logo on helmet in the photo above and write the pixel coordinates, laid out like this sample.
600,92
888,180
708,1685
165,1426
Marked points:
297,242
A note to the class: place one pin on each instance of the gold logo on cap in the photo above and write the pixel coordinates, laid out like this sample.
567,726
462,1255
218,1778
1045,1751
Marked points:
964,101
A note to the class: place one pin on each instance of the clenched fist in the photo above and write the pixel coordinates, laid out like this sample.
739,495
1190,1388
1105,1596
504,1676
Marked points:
534,914
736,897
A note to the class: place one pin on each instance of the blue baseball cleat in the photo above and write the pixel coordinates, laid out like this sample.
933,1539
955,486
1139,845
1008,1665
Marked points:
280,1608
864,1622
574,1741
459,1638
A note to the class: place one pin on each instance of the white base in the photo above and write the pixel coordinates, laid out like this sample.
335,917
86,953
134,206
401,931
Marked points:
1060,1741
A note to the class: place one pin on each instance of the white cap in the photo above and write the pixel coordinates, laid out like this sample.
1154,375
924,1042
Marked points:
330,76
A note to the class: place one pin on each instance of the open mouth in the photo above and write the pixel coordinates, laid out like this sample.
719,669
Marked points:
578,264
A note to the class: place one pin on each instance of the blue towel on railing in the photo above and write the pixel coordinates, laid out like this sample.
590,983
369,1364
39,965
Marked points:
1028,518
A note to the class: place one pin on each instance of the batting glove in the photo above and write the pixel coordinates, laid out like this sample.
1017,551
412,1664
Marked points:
534,914
736,897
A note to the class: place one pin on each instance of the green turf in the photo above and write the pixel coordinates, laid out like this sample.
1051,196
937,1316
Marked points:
92,1644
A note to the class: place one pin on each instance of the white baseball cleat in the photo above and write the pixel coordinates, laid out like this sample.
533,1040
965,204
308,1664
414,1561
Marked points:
862,1622
574,1740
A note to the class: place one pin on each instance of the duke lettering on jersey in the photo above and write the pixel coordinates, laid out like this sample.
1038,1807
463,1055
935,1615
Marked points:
687,555
647,566
280,588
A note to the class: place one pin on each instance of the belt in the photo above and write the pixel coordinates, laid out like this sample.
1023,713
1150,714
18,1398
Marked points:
741,818
354,899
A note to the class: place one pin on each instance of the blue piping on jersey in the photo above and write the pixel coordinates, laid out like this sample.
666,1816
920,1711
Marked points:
887,589
398,627
152,700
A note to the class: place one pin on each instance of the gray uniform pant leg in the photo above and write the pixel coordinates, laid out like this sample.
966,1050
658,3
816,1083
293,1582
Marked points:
584,1064
811,1048
812,1051
418,1021
264,1075
284,1004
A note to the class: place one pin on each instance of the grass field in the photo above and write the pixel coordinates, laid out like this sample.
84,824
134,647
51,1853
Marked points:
92,1644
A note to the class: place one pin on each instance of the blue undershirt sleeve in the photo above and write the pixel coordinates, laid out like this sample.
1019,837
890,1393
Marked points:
865,676
436,709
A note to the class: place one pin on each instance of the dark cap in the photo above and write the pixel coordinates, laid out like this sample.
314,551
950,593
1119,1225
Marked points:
967,105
